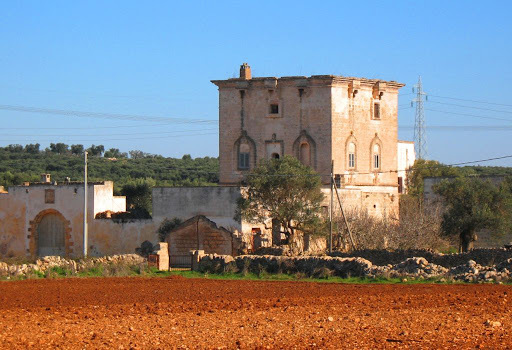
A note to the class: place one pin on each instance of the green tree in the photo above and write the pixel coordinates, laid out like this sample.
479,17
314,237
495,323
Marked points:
286,191
473,204
138,196
77,149
32,148
59,148
115,153
96,151
166,227
425,168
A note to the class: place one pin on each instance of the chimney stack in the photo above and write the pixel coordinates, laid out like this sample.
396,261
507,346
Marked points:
45,178
245,71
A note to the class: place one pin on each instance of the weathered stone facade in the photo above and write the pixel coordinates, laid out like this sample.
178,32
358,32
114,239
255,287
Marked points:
351,122
46,218
200,233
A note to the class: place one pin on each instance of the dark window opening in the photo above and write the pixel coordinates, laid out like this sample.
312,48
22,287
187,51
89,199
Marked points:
275,155
243,160
376,111
337,180
274,109
400,185
49,196
351,160
376,161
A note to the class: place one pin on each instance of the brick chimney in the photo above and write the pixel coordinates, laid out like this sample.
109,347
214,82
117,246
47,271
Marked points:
45,178
245,71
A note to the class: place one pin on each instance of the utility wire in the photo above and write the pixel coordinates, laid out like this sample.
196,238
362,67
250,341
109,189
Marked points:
355,173
468,115
472,107
125,134
91,127
475,101
115,139
99,115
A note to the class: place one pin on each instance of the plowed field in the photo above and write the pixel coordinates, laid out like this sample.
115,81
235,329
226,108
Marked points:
174,312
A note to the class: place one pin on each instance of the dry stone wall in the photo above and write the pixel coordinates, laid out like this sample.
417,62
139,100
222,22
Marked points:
323,266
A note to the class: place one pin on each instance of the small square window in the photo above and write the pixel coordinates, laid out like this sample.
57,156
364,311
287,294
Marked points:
274,108
49,196
376,111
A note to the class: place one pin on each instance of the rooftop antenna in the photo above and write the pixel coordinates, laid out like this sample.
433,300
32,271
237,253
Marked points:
420,138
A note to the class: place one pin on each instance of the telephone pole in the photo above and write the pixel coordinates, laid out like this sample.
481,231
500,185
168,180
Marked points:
420,138
86,240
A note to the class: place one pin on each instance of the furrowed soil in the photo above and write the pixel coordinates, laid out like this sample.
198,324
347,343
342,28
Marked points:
175,312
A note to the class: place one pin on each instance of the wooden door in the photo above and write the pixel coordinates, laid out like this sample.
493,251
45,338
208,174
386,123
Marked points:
51,236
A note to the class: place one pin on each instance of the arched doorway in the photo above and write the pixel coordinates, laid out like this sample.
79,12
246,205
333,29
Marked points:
50,234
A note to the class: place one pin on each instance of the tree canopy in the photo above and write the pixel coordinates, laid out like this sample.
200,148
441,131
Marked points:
474,204
284,190
19,164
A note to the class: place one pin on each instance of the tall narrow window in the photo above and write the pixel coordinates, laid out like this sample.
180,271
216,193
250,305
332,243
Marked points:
351,155
376,111
376,157
243,157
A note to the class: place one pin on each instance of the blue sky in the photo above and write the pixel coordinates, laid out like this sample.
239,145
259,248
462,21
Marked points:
157,59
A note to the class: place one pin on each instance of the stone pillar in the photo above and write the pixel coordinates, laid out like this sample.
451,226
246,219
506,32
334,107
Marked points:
196,256
163,256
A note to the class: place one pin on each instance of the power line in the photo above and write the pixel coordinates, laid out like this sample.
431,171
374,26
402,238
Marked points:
472,107
100,115
356,173
90,127
463,127
468,115
115,139
124,134
475,101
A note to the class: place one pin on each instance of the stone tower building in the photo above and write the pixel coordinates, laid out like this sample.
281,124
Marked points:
349,121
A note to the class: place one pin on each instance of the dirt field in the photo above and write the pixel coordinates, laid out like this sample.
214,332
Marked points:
199,313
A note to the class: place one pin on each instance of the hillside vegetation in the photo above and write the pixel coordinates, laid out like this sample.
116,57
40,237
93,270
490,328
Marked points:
26,163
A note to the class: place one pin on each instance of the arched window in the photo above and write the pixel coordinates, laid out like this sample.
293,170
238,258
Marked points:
376,156
305,154
351,155
243,156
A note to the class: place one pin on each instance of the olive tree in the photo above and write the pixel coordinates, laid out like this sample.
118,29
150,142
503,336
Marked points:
286,191
474,204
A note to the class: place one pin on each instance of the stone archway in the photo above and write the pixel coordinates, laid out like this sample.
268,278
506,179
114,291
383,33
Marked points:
50,234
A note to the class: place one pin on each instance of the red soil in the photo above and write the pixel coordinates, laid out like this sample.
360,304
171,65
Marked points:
200,313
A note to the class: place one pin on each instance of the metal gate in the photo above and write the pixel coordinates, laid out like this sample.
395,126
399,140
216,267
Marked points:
180,260
51,236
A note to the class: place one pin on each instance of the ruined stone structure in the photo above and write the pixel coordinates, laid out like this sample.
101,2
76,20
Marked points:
351,122
200,233
46,218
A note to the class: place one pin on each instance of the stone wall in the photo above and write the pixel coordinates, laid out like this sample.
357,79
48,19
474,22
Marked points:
485,257
218,203
326,266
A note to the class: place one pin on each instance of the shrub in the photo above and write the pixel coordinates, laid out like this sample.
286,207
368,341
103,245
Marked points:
322,273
